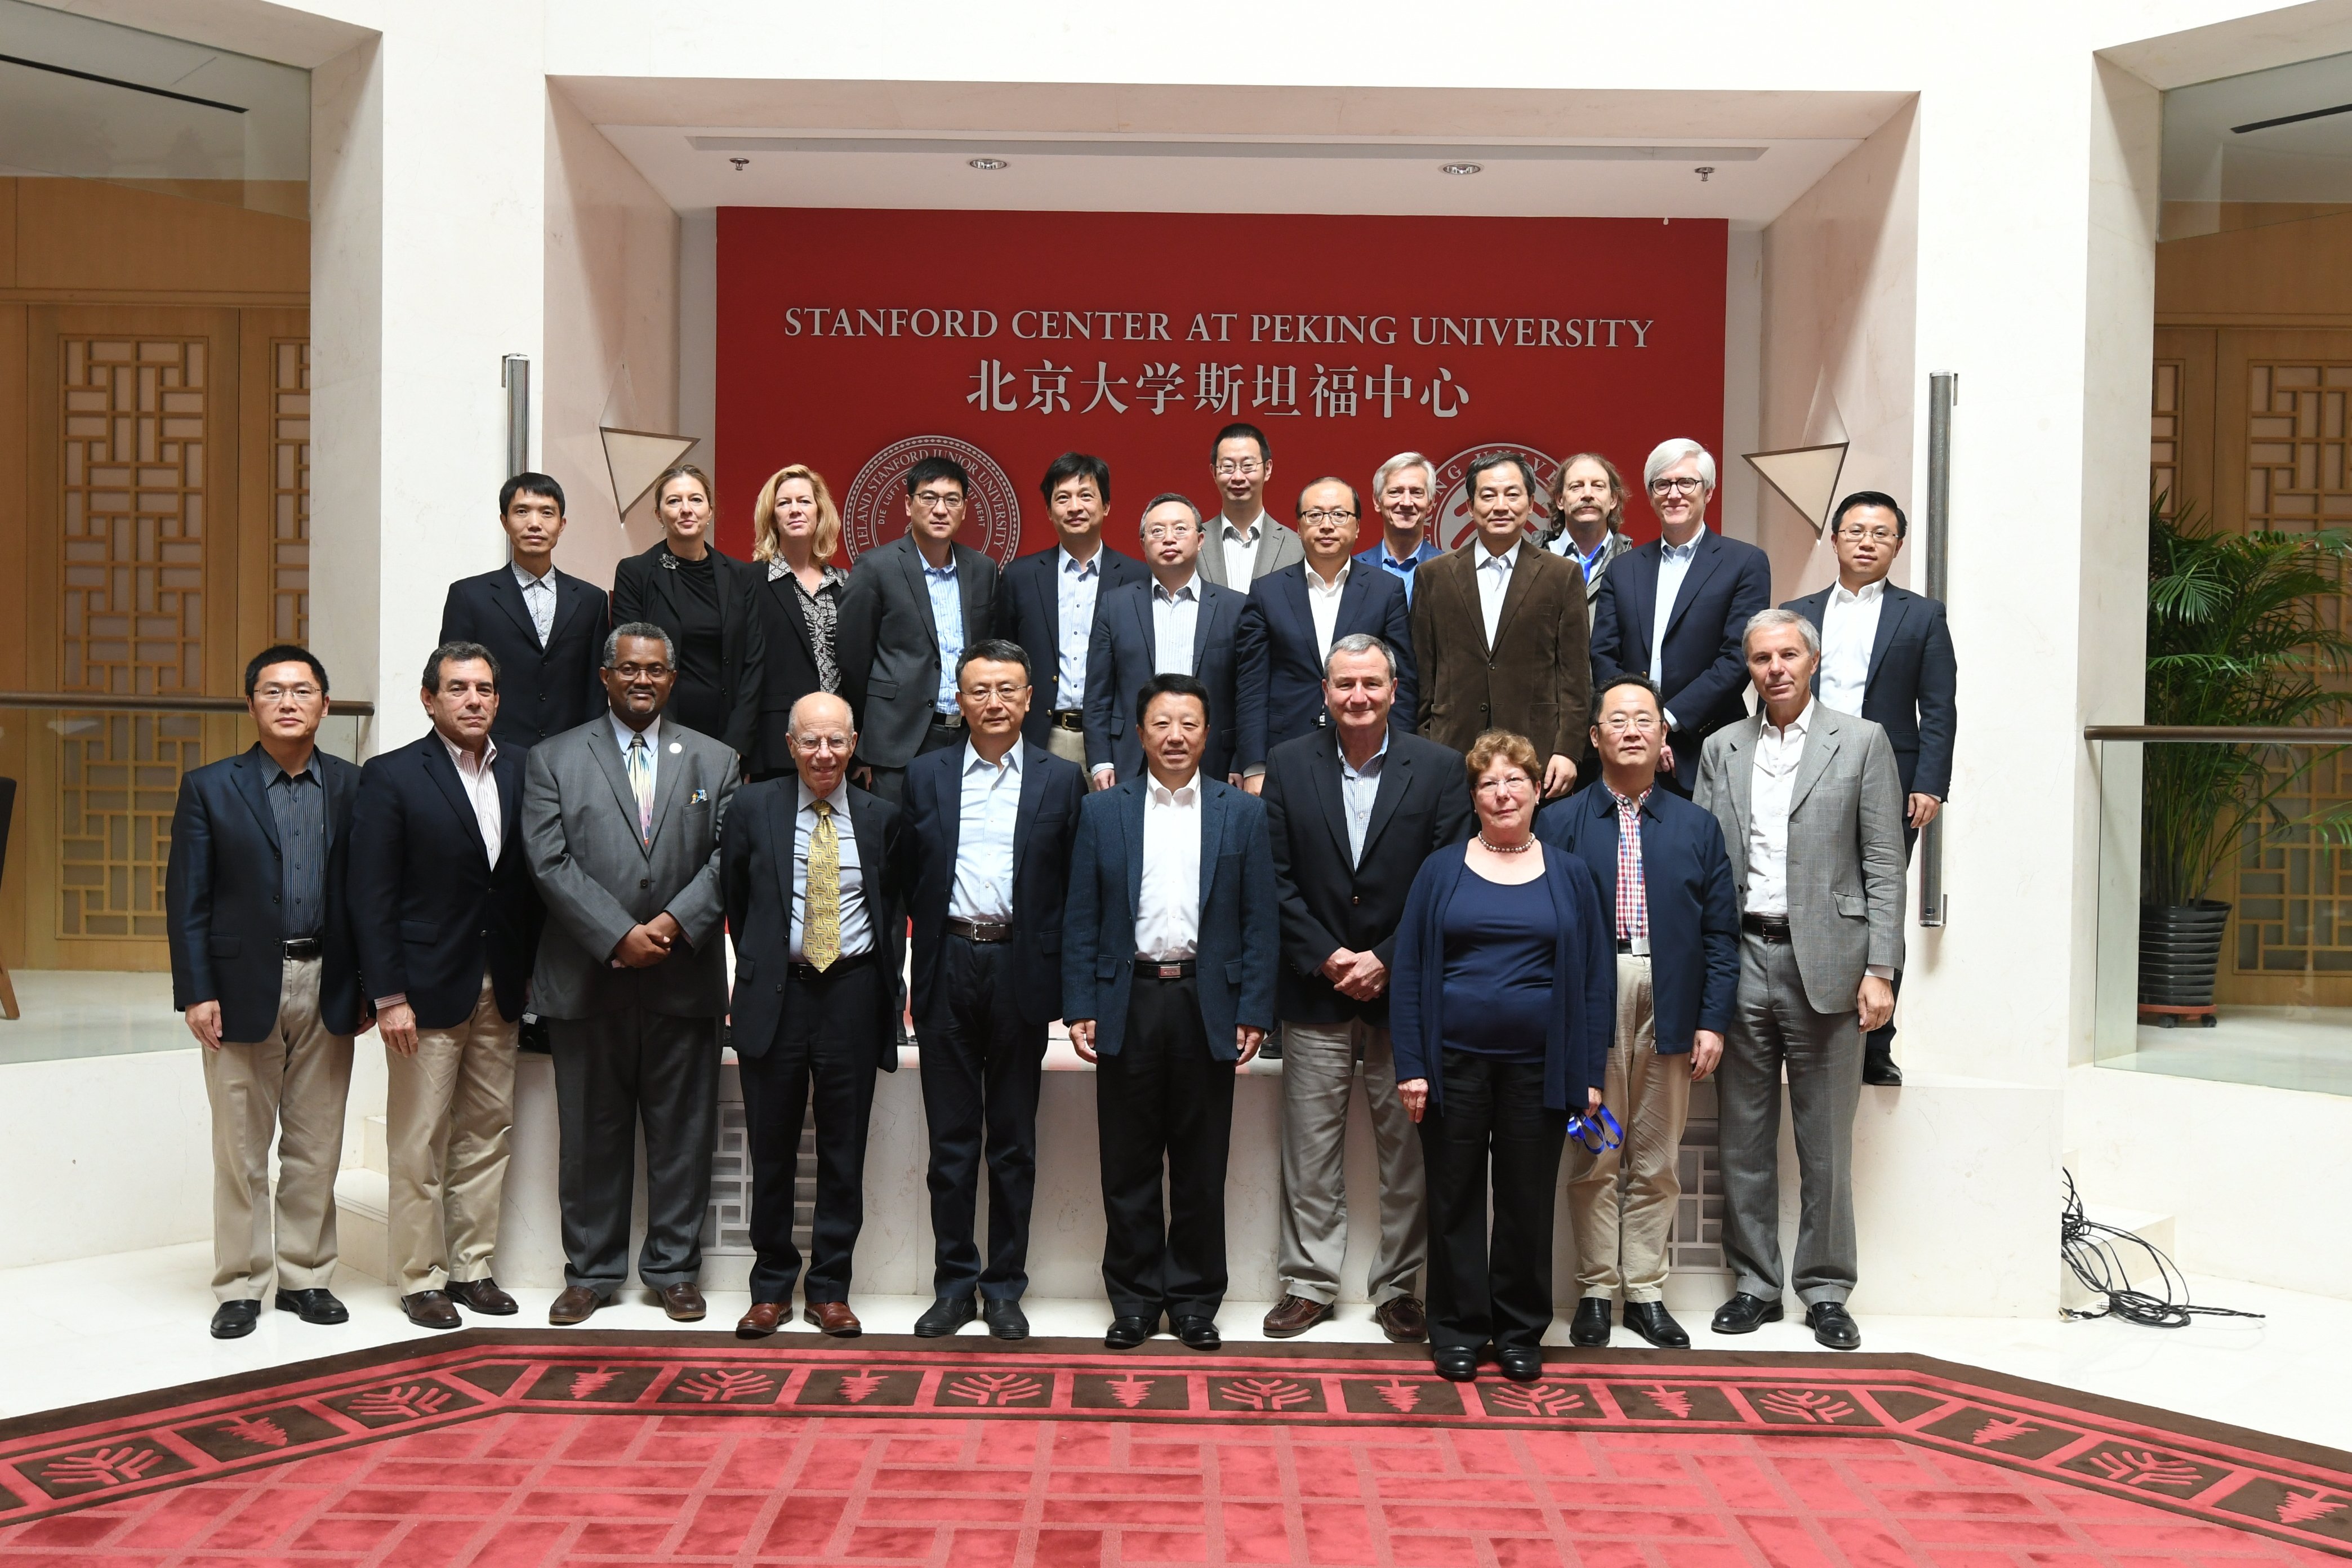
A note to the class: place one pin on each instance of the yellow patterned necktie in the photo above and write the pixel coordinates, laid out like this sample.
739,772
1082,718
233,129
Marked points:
821,942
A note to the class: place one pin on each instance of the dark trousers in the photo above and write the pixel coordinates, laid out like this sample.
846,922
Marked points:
1164,1102
613,1071
1878,1045
981,1070
824,1044
890,783
1493,1112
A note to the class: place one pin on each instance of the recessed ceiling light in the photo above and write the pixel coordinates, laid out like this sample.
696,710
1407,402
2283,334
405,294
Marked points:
1460,168
988,166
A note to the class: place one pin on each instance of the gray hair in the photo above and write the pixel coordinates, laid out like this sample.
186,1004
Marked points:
639,630
1361,642
792,718
1668,453
1765,619
1382,475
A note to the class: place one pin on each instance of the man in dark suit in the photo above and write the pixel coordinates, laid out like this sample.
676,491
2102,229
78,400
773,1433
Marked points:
1293,618
1886,656
1169,946
814,871
621,820
1404,492
544,627
1673,609
443,914
1177,623
913,607
1350,815
264,974
1666,879
1498,631
989,826
1047,602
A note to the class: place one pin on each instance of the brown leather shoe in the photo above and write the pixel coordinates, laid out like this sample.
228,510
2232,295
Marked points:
834,1318
1403,1319
574,1305
682,1302
482,1296
1294,1315
431,1310
763,1319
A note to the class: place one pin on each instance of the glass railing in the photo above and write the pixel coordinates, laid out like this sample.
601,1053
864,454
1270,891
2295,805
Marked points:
2225,904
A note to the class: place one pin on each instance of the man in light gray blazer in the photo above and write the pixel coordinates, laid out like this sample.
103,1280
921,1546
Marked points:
1811,805
620,819
1244,542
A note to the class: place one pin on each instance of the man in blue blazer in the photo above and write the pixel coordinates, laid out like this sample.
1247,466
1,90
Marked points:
1045,601
1404,492
1179,623
1886,656
445,917
989,826
1665,878
264,974
1293,617
1168,945
1675,609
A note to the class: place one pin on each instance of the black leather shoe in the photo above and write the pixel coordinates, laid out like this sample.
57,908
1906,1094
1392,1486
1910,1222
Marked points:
1882,1072
1126,1333
1590,1326
316,1305
530,1035
947,1314
235,1319
1744,1314
432,1310
1520,1365
1457,1364
1005,1319
1654,1323
482,1296
1198,1334
1832,1327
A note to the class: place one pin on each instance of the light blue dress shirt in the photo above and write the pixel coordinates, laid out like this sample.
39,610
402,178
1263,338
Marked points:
622,735
1673,565
947,615
857,931
1404,572
985,819
1075,583
1358,789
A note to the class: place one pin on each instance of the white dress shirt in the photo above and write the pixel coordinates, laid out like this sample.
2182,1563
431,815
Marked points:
1323,604
857,931
1241,547
1175,617
1168,906
622,735
537,597
1359,789
1673,565
476,777
1778,753
1075,583
1849,628
986,817
1494,582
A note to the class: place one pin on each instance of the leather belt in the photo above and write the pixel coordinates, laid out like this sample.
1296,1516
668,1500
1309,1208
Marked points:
304,947
947,720
806,972
1071,719
981,930
1636,947
1771,928
1165,969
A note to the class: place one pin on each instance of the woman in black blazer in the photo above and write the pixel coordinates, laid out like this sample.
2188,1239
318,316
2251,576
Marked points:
703,600
796,530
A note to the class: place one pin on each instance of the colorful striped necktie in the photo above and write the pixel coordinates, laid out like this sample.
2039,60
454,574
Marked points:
641,782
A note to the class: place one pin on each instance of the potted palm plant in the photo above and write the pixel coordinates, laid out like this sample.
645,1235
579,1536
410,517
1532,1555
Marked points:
2236,637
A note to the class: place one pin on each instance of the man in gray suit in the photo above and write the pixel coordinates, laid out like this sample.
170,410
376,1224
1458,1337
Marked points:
620,819
913,607
1811,809
1244,542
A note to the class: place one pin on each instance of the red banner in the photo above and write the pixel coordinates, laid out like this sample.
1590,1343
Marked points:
857,341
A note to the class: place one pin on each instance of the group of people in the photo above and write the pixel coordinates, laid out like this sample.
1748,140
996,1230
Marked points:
1494,829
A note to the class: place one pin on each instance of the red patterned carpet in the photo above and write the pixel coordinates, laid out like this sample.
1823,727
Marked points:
490,1450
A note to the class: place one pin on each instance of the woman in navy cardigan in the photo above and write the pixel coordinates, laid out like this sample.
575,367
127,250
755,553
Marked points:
1501,1013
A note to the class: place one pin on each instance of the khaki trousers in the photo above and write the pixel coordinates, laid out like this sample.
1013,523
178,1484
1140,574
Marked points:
1067,744
1319,1073
447,1111
290,1086
1621,1204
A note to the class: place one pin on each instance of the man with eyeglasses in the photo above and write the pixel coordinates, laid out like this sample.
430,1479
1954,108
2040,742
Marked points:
991,827
1887,656
1664,872
1673,609
1245,543
1177,623
1293,618
1046,601
911,608
1404,488
265,972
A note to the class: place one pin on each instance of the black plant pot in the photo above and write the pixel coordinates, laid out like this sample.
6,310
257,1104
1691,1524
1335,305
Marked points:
2180,949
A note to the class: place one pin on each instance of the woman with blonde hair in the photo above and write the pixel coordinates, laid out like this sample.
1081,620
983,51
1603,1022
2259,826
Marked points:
796,530
702,598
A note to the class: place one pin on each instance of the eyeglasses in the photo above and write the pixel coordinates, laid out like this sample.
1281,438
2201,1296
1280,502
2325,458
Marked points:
1504,785
634,671
1328,514
938,500
1618,723
1670,487
1876,535
1008,690
287,693
1598,1137
1229,467
1168,531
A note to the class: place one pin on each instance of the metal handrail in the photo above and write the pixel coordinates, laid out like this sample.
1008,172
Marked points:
2239,734
109,703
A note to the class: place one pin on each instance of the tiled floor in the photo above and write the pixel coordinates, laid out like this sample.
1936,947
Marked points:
70,1014
2278,1048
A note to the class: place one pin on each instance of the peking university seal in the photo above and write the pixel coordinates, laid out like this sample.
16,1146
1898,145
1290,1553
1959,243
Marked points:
1452,523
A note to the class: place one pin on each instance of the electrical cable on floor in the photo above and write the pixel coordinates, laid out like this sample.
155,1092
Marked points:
2089,1249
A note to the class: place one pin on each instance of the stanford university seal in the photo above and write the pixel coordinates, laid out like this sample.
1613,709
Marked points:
874,510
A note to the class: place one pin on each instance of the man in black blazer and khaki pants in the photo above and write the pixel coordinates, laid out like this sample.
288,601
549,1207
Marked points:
442,913
263,971
1886,656
1350,815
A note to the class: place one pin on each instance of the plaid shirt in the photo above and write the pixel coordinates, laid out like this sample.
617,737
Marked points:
1632,898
